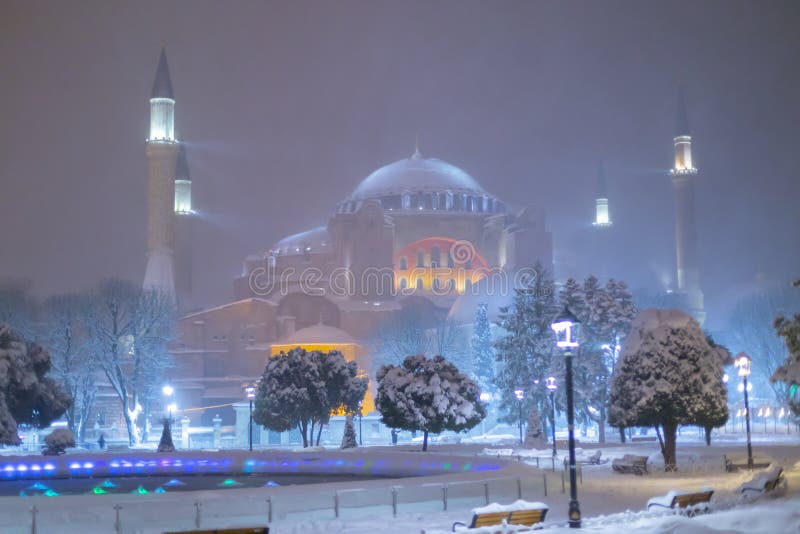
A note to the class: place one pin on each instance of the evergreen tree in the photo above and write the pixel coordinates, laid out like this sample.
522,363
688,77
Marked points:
789,373
427,394
666,375
482,350
349,437
524,352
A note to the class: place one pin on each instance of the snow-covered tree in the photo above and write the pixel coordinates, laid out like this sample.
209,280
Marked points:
713,412
428,395
534,432
605,313
27,395
129,330
524,351
301,389
64,333
789,372
349,436
482,349
665,376
57,442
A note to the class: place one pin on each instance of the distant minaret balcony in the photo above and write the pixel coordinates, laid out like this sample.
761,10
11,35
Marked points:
602,217
683,156
162,121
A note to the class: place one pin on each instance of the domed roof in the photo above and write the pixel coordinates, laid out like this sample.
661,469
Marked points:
416,174
318,334
312,241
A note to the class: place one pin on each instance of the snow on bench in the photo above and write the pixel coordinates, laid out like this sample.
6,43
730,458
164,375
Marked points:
521,514
771,481
690,501
630,463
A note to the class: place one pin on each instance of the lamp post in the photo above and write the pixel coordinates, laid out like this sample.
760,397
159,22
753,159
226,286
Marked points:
742,363
520,395
168,391
566,327
250,391
551,386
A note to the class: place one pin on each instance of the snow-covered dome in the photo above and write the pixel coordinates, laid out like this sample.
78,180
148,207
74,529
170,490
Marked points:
314,241
419,183
319,334
416,174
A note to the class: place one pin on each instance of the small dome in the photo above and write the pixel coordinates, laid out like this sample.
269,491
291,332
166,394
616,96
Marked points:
318,334
416,174
314,241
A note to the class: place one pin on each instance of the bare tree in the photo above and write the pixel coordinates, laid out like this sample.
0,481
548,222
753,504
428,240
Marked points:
129,331
751,330
63,332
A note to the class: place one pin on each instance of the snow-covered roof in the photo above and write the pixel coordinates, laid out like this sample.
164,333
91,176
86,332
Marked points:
314,241
416,174
318,334
228,305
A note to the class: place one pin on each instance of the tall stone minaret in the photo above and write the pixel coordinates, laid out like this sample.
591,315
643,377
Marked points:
602,216
162,157
184,215
683,174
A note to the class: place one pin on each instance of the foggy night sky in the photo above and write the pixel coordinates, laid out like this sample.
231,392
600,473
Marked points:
287,106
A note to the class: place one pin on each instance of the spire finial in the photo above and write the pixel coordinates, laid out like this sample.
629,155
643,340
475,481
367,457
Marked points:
417,154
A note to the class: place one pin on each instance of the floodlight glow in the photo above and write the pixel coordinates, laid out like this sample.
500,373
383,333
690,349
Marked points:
172,407
168,390
742,363
520,394
485,396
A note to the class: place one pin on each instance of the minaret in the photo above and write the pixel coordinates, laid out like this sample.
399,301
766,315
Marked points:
162,157
602,217
683,174
184,215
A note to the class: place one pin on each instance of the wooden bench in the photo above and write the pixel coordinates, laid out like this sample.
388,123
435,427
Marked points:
732,467
630,463
239,530
521,515
688,502
767,482
641,439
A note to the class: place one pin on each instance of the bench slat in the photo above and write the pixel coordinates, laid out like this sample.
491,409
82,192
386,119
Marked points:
488,519
527,517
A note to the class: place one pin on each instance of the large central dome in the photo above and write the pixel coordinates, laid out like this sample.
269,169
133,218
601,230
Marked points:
427,184
416,174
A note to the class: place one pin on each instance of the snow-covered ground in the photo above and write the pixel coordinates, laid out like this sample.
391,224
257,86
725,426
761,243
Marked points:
610,502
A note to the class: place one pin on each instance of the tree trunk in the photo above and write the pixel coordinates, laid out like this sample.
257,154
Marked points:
425,441
601,425
670,437
128,424
622,434
319,433
304,432
708,435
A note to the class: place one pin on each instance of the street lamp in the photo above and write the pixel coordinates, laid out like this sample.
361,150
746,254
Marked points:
250,391
520,395
742,363
551,386
566,327
168,391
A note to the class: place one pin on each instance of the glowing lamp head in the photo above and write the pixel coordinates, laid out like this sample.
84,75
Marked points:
567,328
551,383
725,378
250,391
519,394
485,396
167,390
742,363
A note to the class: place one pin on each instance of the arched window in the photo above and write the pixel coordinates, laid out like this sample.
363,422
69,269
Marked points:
419,283
448,201
406,201
435,257
420,259
403,263
403,283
